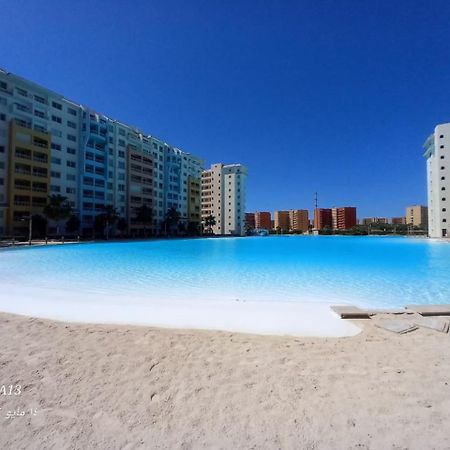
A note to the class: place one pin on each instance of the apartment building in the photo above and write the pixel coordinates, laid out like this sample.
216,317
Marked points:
374,220
87,159
398,220
250,221
437,152
223,196
298,220
139,189
322,218
263,220
417,215
282,221
345,217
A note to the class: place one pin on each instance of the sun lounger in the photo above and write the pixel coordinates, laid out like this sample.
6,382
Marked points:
434,323
397,326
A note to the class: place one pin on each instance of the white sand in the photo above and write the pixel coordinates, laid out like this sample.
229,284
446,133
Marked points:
122,387
273,318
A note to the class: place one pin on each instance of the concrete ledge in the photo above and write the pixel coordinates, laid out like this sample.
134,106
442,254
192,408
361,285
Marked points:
353,312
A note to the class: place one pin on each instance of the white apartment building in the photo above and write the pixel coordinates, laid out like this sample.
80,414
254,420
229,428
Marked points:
437,152
87,160
223,196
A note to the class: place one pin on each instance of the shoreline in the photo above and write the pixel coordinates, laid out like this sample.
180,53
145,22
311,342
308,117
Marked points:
260,318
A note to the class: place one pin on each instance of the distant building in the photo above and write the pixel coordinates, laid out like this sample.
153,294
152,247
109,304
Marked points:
263,219
374,220
398,220
345,217
223,196
417,216
250,221
281,221
322,218
298,220
437,152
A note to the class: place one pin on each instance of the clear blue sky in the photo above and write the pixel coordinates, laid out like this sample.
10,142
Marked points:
333,96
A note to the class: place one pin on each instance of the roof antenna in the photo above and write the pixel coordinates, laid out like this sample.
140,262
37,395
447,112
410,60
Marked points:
316,202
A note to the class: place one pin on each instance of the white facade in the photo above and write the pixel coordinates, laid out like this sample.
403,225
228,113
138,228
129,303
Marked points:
437,152
223,196
88,154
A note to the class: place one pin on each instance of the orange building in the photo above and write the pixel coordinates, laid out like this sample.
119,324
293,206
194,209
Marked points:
263,219
298,220
250,221
322,218
345,217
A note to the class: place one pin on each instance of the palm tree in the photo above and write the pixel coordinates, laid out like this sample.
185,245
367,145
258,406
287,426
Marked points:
172,218
210,221
58,208
110,217
144,214
122,225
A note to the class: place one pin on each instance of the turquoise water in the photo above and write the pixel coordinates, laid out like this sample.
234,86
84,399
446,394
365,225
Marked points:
367,271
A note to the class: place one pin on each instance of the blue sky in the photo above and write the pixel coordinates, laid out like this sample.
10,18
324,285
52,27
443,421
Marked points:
328,96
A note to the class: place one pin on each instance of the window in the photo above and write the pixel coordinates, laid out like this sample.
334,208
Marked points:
442,157
444,220
2,117
71,150
443,199
56,119
444,209
441,146
40,99
71,124
442,167
71,177
55,174
442,178
57,105
121,142
70,190
72,111
442,188
2,149
71,137
56,160
55,188
441,136
38,113
22,92
121,131
71,164
56,146
3,85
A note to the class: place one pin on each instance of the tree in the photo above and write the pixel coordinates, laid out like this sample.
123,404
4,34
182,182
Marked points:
110,217
172,218
122,225
39,225
58,208
144,215
73,224
210,221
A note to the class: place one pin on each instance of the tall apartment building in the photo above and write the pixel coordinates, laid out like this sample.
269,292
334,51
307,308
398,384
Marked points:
282,221
223,197
263,219
322,218
345,217
298,220
417,216
437,152
87,157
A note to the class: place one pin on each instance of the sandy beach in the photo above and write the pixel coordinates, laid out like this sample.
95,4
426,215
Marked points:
123,387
